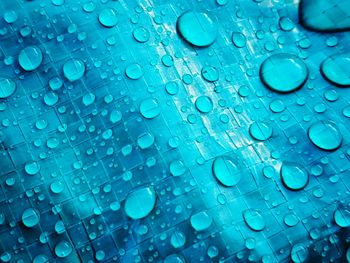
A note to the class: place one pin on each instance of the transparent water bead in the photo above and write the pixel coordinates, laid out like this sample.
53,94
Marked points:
63,249
210,74
284,73
30,217
293,176
336,69
299,253
140,203
260,131
204,104
254,219
149,108
325,15
74,69
239,40
325,135
30,58
32,168
108,17
226,171
134,71
7,87
342,216
141,34
201,221
197,28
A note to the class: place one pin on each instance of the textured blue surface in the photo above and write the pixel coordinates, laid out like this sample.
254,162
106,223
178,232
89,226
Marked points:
121,141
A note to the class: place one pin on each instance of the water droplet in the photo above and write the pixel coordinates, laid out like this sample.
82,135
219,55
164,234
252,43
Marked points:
141,34
201,221
140,203
108,17
226,171
32,168
145,140
172,88
210,74
134,71
299,253
74,69
342,217
283,73
260,131
325,135
89,99
30,58
197,28
212,251
204,104
177,168
291,219
277,106
50,98
63,249
30,217
286,24
57,2
174,258
293,176
254,219
325,16
149,108
238,39
336,69
178,239
222,2
10,16
7,87
41,259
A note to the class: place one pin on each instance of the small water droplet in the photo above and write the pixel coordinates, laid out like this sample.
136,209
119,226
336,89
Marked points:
63,249
254,219
226,171
260,131
342,216
108,17
30,217
7,87
140,203
336,69
201,221
74,69
204,104
325,135
149,108
30,58
293,176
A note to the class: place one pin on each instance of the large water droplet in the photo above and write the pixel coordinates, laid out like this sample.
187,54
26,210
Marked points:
201,221
336,69
226,171
325,15
134,71
178,239
63,249
299,253
108,17
325,135
204,104
293,176
140,203
149,108
254,219
30,217
342,217
238,39
283,73
32,168
30,58
74,69
7,87
197,28
260,131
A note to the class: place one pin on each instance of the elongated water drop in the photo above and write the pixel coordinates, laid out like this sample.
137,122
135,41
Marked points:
140,203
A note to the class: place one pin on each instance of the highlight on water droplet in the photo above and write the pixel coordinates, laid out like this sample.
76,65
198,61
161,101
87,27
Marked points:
226,171
30,58
197,28
7,87
336,69
325,135
294,176
284,73
140,203
74,69
254,219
